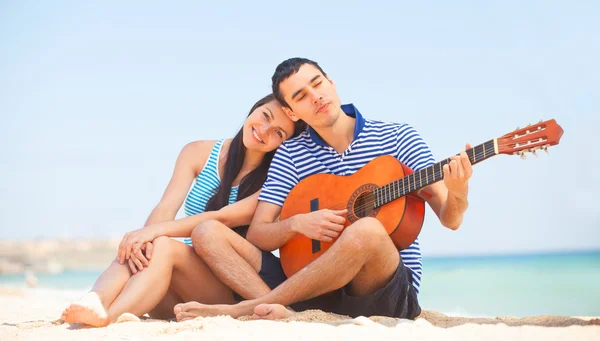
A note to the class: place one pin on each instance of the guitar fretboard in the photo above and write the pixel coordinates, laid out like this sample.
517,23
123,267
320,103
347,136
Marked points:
428,175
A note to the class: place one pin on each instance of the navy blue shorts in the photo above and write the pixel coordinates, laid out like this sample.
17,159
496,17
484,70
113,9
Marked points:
397,299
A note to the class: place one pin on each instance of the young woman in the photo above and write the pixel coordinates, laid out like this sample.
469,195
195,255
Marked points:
153,272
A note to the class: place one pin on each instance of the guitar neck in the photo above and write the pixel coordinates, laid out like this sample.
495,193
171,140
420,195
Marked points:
429,175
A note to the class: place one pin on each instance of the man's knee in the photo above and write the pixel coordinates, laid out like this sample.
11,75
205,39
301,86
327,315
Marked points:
366,233
206,234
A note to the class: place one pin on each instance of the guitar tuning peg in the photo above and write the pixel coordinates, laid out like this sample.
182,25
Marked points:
545,148
523,156
532,150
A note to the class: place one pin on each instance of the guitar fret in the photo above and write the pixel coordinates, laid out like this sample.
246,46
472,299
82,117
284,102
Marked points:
403,188
385,194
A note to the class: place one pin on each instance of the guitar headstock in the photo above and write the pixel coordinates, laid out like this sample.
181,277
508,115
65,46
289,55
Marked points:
530,139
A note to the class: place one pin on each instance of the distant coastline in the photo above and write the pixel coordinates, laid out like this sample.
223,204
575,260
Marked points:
58,255
55,256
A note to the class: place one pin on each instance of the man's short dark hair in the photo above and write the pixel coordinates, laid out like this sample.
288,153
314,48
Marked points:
284,70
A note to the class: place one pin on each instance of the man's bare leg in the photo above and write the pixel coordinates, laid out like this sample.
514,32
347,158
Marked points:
363,256
232,259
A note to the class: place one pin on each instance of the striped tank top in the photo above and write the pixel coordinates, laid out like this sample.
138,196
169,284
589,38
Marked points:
206,185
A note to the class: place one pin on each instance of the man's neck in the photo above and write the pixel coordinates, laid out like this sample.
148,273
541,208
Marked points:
340,135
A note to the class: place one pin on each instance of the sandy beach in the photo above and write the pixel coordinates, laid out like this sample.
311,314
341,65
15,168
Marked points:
31,314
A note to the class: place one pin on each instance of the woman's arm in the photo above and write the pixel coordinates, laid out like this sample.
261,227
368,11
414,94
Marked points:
189,163
234,215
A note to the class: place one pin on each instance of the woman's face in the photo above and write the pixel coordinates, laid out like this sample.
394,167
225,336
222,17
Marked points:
267,127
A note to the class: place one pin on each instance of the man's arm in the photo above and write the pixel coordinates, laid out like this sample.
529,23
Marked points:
266,232
269,234
448,207
449,198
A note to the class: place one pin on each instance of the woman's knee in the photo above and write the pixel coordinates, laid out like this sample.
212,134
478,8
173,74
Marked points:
162,247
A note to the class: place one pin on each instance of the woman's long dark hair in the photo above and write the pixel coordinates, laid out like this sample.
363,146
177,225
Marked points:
235,159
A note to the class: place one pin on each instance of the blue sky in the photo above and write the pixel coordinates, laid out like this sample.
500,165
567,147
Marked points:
97,99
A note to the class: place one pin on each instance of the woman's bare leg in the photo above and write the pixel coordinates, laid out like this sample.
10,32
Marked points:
164,308
93,305
174,265
180,269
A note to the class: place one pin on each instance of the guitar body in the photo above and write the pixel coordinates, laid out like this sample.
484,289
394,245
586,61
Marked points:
402,218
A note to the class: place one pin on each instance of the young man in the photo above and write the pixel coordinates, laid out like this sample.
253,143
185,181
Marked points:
362,273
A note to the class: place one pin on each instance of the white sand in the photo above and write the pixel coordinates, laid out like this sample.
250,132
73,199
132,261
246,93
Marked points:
32,315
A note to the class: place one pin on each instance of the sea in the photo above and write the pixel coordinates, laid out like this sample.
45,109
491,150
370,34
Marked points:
565,283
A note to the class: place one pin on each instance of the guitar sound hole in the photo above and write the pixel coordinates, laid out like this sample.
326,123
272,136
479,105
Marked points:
364,204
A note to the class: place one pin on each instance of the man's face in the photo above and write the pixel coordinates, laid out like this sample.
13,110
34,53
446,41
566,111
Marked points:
312,97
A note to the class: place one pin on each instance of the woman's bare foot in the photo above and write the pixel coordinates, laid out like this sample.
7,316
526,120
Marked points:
271,312
87,310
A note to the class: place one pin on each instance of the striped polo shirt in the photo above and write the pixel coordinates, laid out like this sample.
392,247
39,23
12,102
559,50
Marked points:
308,154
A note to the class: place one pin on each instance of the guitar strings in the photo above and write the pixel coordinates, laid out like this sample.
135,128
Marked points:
370,203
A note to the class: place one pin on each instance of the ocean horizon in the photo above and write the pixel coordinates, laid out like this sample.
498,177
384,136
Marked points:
565,283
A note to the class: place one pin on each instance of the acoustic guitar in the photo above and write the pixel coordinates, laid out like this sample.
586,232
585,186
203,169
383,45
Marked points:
386,189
